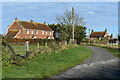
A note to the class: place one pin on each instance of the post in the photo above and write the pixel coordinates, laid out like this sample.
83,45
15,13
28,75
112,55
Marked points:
38,45
27,48
46,44
65,42
59,43
73,24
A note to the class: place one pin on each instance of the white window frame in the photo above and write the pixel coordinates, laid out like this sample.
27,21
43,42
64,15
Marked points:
42,32
50,33
36,32
27,31
32,32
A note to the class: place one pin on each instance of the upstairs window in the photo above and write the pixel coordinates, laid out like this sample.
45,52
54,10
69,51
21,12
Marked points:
36,32
27,32
32,32
50,33
42,32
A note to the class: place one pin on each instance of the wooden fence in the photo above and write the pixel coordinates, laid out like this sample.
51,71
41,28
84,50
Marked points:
20,48
24,48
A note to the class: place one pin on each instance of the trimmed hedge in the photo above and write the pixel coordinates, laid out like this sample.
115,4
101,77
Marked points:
32,41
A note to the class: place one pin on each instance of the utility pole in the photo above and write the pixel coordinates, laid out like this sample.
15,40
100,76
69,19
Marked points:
73,24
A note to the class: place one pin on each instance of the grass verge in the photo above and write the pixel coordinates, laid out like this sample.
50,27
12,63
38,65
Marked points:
47,65
114,51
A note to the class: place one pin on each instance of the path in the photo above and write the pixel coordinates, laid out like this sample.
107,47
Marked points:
101,64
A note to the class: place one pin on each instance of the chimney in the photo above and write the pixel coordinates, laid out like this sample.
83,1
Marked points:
16,18
31,21
45,23
111,35
105,30
92,31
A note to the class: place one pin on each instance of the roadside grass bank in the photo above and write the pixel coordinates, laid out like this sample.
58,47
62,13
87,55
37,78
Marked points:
114,51
48,64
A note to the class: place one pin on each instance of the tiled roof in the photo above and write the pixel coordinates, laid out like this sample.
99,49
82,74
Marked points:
34,25
97,34
12,33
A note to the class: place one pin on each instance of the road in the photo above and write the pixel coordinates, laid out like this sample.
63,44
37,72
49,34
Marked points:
101,64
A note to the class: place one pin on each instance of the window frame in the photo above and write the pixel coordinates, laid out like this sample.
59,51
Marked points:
32,32
42,32
36,32
27,31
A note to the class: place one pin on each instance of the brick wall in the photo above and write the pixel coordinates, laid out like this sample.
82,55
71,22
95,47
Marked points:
14,26
32,33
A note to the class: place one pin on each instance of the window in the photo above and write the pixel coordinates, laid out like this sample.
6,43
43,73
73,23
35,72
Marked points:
42,32
32,32
46,33
36,32
27,32
50,33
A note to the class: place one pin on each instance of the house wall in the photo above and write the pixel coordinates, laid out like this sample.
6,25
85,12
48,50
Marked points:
24,35
106,35
14,26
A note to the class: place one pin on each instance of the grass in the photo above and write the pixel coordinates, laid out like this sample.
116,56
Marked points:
47,65
114,51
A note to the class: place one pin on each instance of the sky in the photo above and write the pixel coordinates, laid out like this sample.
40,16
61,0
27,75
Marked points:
99,15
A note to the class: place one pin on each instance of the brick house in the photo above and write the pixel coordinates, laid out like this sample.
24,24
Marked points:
29,30
100,35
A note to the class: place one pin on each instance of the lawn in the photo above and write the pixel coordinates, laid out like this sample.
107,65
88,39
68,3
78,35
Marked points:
47,65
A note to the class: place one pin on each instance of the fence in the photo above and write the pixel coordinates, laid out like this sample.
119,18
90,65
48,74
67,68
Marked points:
24,48
110,45
20,48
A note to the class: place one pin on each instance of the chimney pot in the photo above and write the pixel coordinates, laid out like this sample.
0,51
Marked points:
16,18
92,31
31,20
45,23
105,30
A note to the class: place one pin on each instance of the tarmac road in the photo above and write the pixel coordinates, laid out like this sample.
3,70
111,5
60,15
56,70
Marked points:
101,64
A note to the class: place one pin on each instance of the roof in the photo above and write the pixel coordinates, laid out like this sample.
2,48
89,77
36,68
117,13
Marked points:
97,34
34,25
113,39
11,33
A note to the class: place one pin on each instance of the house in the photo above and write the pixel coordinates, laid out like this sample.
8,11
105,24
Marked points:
113,41
100,35
29,30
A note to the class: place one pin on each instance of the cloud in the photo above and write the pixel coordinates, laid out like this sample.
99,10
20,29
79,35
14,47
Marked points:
91,12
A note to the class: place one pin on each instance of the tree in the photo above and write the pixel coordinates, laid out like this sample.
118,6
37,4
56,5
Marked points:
80,33
67,21
58,34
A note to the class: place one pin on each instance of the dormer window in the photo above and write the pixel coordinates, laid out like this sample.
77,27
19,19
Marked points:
27,32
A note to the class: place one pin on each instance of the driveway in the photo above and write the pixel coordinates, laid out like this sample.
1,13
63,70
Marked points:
101,64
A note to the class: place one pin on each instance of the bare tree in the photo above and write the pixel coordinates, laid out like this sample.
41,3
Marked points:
68,20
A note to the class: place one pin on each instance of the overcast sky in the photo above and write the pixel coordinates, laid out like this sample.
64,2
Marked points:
99,15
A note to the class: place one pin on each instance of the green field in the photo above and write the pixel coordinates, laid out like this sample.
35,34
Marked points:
47,65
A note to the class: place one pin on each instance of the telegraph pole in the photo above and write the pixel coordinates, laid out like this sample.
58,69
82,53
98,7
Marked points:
73,24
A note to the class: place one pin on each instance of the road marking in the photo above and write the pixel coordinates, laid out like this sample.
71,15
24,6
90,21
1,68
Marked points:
92,64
